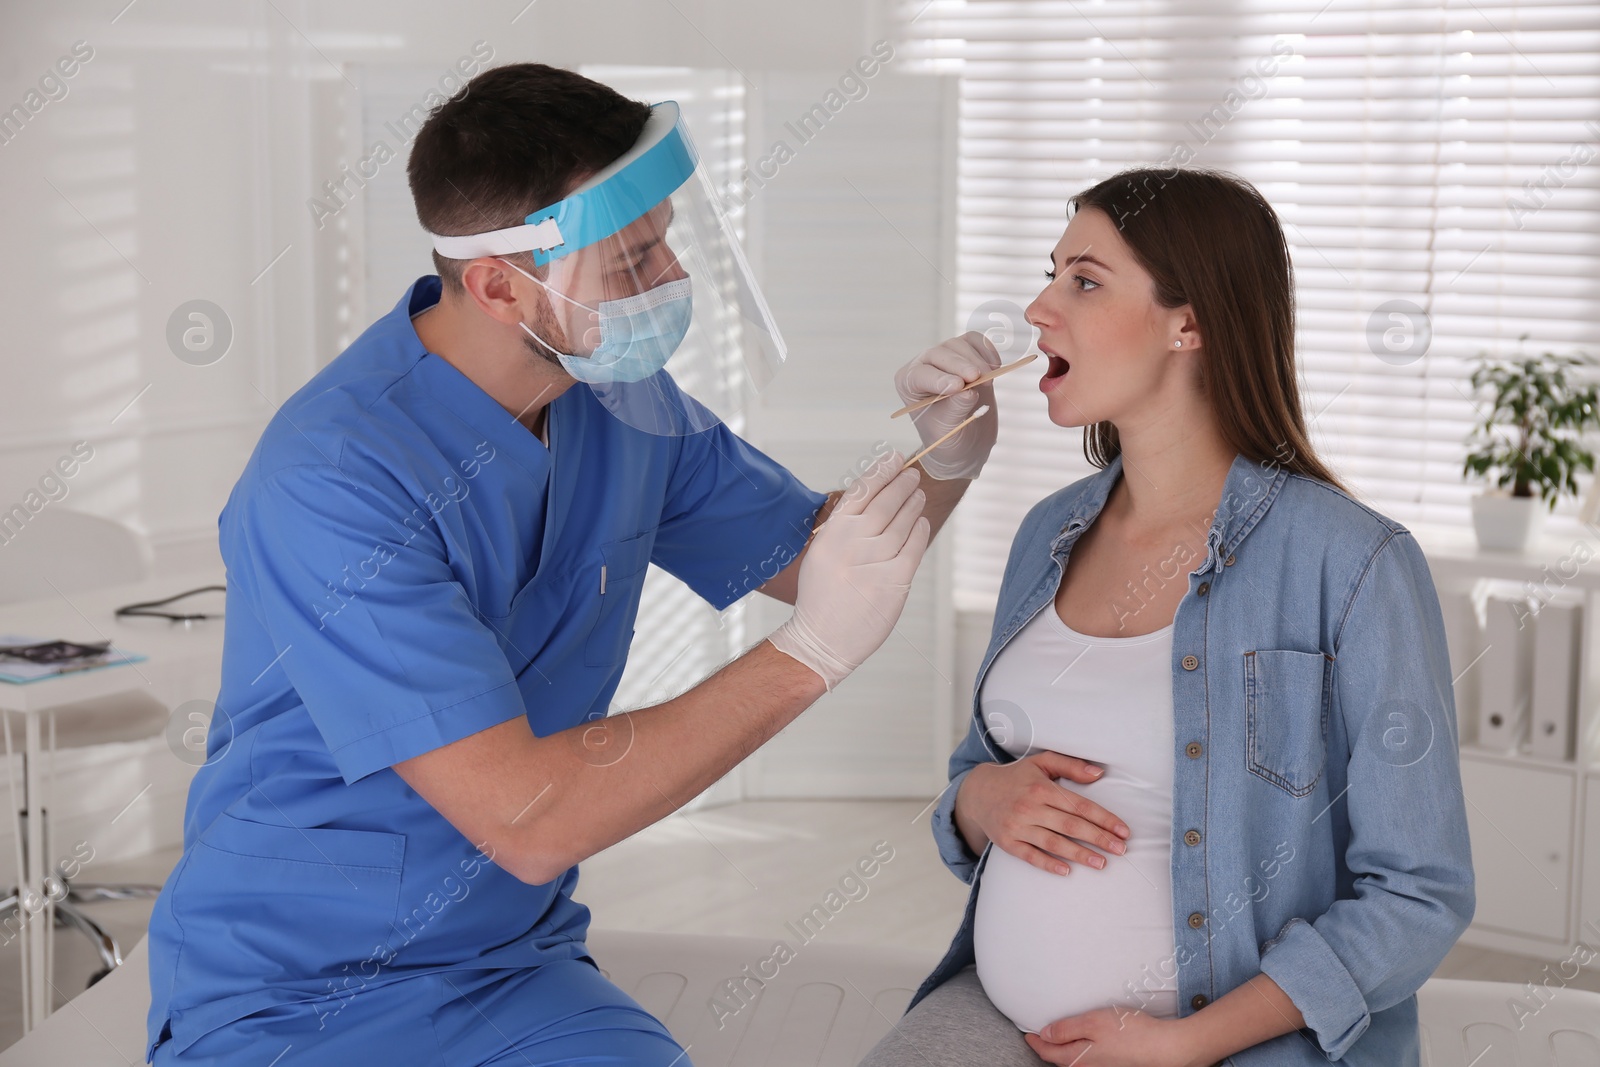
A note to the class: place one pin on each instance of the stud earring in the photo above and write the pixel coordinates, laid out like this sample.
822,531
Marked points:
1177,344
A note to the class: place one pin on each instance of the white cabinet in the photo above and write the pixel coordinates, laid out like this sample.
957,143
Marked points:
1520,819
1533,819
1589,913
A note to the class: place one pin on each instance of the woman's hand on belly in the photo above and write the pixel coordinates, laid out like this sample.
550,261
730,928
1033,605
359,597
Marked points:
1257,1011
1023,809
1113,1037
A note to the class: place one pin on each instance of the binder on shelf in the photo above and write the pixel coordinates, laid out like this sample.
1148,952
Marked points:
1464,637
1555,680
1505,689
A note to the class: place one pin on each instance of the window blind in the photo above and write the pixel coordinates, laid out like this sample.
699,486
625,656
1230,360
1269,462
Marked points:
1436,167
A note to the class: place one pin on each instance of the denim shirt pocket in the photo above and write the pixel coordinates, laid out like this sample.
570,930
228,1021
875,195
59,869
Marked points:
1286,695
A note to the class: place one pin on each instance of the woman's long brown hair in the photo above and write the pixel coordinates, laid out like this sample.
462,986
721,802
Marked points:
1210,240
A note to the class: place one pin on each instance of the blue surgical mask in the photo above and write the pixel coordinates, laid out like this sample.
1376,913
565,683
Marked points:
638,334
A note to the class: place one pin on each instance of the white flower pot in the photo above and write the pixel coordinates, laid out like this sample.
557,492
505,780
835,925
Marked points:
1507,522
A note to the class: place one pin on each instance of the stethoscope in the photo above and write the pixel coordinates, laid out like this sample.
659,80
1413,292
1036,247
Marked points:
147,608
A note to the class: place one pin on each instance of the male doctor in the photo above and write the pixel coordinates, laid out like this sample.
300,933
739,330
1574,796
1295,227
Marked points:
435,556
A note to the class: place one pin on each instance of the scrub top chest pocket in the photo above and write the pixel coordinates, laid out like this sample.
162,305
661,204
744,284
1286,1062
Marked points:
1286,695
619,570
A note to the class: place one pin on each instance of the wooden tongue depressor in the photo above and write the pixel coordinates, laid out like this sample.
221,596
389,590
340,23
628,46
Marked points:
991,376
983,409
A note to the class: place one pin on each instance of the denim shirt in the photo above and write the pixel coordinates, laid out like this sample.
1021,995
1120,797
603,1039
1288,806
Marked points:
1319,830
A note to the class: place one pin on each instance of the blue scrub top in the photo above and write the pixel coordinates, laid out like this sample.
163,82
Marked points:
406,566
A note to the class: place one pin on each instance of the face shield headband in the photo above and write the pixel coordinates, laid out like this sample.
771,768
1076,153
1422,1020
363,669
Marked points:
613,198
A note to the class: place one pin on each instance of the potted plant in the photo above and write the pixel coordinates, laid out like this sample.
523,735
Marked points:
1530,442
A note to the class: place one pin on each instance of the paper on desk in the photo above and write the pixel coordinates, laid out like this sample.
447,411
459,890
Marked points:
21,672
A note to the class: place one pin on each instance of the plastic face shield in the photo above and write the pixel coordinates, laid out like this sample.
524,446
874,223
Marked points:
637,257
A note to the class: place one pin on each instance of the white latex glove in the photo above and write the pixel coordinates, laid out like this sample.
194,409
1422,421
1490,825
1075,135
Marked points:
939,372
857,573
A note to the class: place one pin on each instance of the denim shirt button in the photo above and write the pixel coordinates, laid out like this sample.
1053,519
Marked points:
1193,749
1229,561
1198,1001
1196,920
1205,587
1191,837
1190,663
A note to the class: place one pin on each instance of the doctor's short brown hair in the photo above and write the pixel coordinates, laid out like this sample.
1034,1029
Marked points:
514,139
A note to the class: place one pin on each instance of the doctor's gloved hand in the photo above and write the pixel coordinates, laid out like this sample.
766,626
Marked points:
857,572
940,371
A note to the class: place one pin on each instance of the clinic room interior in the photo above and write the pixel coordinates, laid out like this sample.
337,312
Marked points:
850,532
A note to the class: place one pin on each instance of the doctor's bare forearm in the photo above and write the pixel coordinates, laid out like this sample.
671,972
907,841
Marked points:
785,585
543,804
942,498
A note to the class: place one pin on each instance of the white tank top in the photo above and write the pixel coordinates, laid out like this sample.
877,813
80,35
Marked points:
1049,945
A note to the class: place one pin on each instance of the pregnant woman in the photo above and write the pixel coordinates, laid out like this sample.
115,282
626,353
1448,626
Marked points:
1209,803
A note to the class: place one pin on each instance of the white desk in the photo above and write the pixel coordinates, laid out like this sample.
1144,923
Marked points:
183,663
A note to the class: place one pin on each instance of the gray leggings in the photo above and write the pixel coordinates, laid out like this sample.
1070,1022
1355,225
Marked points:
953,1026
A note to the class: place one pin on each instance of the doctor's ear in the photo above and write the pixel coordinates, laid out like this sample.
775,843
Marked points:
500,288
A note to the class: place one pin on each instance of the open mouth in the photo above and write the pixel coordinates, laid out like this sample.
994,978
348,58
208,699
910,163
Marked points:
1057,368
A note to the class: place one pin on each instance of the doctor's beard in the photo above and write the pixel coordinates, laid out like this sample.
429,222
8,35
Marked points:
547,327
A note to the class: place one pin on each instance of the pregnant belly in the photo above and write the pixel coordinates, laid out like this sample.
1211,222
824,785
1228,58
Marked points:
1049,945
